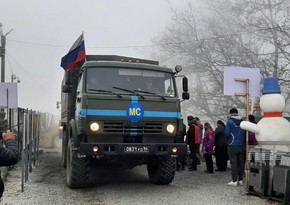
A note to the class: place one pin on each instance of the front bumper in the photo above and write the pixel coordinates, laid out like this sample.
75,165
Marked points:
159,149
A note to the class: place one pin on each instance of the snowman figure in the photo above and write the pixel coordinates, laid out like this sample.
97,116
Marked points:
272,129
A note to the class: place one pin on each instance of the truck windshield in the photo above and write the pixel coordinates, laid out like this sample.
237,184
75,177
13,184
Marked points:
145,81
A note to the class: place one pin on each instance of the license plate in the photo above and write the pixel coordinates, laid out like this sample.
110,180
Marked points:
136,149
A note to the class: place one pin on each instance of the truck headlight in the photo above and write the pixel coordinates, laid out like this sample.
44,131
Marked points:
94,126
170,128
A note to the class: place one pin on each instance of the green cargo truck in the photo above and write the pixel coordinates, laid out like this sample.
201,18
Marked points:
109,114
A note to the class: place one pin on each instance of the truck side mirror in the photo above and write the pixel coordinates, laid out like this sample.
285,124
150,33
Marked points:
185,94
185,84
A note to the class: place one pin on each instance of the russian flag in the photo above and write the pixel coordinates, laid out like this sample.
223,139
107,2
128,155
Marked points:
76,55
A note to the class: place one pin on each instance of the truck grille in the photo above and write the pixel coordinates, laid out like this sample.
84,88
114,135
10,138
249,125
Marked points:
119,127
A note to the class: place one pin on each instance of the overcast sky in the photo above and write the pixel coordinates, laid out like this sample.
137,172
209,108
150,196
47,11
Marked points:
44,31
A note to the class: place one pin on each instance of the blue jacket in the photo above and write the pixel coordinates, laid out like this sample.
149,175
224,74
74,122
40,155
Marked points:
8,157
234,133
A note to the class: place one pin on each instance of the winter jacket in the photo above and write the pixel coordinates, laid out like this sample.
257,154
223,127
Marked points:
193,134
180,137
208,141
252,139
9,154
234,134
197,135
200,126
220,138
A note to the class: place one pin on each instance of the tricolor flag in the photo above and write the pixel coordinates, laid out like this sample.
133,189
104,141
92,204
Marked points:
76,55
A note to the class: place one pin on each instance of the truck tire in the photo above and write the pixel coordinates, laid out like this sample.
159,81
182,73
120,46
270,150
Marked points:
161,171
77,169
64,149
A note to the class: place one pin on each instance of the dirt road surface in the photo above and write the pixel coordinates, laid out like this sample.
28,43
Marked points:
47,185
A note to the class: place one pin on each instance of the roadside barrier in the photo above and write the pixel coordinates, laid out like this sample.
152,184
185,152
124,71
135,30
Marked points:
28,126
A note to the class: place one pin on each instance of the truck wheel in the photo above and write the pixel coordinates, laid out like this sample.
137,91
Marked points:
161,170
77,169
64,149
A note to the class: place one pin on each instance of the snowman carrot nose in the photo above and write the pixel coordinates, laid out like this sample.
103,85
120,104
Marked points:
273,114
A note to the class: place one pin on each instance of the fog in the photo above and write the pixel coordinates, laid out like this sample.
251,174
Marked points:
44,31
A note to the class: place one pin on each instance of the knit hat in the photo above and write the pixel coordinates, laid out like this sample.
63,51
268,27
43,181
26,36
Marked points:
234,111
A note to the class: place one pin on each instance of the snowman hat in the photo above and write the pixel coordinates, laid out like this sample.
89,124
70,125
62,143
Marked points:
271,85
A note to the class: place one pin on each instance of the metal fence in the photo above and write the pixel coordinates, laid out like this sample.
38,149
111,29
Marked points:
28,126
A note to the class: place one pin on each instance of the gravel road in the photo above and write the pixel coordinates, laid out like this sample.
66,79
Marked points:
47,185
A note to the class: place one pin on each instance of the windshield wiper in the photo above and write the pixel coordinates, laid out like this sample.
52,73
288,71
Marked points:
105,91
146,92
130,91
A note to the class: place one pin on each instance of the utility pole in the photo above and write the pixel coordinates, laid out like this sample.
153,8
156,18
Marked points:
3,121
2,52
2,55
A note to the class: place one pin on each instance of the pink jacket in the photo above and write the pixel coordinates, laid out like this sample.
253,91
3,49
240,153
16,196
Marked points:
252,139
208,142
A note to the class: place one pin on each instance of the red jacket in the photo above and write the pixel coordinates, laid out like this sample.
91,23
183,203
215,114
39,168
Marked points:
193,135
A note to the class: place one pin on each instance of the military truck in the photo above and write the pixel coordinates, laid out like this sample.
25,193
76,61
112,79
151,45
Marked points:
109,116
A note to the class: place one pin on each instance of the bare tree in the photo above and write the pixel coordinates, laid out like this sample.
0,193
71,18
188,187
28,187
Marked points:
244,33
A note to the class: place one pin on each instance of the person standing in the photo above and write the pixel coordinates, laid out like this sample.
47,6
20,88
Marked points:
208,144
181,159
252,138
221,149
8,154
200,126
193,141
235,137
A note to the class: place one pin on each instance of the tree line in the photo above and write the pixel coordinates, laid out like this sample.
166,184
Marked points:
242,33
